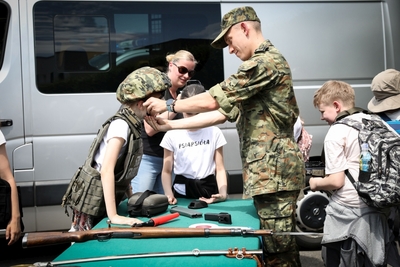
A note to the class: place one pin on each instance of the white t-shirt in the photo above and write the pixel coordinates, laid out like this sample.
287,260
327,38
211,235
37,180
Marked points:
342,151
117,128
193,151
2,138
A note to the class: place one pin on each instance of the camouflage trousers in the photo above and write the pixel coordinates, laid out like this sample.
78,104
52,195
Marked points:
276,211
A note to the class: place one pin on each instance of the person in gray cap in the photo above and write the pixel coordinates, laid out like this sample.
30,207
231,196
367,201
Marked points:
260,99
108,154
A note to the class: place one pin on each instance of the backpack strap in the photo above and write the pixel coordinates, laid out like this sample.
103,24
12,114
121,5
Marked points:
350,177
342,115
384,116
351,111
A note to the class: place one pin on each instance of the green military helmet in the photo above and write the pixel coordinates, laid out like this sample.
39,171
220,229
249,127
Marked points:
141,83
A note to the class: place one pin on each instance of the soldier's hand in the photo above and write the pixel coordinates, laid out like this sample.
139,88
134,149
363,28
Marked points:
158,123
155,106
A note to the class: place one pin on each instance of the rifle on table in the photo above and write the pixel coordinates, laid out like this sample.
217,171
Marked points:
104,234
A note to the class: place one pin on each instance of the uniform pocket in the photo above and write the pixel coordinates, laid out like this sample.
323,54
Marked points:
277,214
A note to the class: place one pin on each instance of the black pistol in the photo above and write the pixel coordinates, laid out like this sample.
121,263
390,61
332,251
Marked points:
222,217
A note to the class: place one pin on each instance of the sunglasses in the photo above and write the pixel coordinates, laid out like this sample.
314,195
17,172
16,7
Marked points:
184,70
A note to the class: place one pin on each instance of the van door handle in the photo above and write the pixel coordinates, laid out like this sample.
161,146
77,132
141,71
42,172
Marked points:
6,122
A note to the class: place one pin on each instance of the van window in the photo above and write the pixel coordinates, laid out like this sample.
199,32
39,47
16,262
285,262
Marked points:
80,39
4,20
90,47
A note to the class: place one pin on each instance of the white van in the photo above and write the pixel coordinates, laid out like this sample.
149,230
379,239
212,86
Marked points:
61,62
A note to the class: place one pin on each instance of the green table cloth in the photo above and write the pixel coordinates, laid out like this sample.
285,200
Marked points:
242,212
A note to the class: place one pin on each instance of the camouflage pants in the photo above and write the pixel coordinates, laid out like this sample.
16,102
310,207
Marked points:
277,212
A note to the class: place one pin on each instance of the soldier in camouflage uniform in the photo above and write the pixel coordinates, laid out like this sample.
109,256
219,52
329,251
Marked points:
260,98
132,92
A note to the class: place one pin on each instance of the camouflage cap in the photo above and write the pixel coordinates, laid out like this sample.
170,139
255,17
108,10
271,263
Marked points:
231,18
141,83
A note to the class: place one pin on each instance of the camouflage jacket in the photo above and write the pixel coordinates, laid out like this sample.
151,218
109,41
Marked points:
262,94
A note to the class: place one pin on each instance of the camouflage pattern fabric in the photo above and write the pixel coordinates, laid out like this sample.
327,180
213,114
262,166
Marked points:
276,211
231,18
379,186
141,83
262,90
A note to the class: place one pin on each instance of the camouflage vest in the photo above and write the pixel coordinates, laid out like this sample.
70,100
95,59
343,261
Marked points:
85,191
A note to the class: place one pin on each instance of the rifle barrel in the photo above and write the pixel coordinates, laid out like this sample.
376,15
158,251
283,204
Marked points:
36,239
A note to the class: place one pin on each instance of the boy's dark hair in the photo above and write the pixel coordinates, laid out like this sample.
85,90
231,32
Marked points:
191,90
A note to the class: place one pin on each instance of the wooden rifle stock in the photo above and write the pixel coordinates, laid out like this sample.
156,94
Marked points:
49,238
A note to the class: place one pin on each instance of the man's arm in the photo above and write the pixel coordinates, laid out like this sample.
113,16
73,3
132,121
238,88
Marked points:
200,120
196,104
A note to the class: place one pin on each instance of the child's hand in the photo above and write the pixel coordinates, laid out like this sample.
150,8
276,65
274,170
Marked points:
314,183
172,200
13,231
117,219
214,198
157,123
